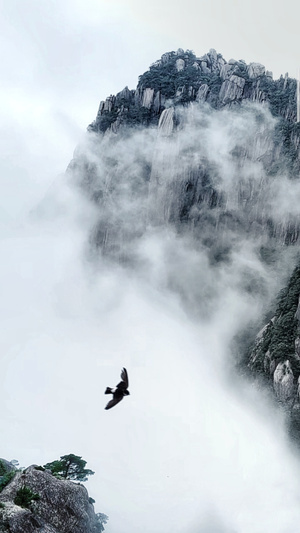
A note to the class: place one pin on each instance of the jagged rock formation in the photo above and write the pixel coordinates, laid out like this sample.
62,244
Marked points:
182,78
275,354
276,351
62,506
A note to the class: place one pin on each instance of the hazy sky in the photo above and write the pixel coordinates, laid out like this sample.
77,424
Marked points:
160,462
60,58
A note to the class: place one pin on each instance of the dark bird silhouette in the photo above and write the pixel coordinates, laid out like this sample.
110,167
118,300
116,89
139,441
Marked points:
120,391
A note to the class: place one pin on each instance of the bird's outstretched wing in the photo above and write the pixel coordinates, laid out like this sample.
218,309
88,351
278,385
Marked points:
124,384
113,402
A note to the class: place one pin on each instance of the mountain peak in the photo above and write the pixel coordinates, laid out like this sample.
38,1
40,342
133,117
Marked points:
181,78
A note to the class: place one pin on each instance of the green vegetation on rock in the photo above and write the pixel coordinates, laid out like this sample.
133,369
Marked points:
101,520
25,496
279,335
70,467
5,475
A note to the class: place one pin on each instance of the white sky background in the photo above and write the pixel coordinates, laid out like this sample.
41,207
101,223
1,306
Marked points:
58,60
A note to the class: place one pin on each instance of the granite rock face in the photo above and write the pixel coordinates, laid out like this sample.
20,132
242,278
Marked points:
62,507
284,382
166,121
231,89
276,351
176,176
181,79
227,82
255,70
147,99
202,93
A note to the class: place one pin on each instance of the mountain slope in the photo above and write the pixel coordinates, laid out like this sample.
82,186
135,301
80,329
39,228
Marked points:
218,167
208,151
275,355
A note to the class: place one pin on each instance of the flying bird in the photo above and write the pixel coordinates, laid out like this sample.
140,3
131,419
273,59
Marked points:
120,391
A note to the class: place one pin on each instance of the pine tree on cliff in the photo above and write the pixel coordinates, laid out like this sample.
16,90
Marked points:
70,467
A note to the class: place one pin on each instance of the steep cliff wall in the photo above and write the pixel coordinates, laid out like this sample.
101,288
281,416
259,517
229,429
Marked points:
213,173
276,352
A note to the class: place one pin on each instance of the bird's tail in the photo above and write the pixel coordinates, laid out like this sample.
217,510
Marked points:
108,390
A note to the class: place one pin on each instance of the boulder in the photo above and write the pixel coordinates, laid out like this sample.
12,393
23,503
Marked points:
62,507
180,64
226,71
255,70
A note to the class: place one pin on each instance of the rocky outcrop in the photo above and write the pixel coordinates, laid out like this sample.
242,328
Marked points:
202,93
147,99
166,121
284,382
275,353
60,506
231,89
180,64
227,82
255,70
227,70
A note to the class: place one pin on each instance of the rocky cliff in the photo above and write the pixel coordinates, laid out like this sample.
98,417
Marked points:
275,354
209,149
34,501
180,78
199,145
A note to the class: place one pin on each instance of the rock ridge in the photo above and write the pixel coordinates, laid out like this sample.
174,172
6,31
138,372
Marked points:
179,75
